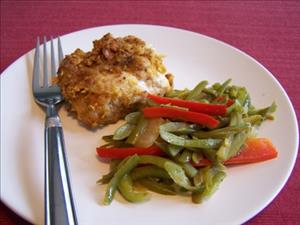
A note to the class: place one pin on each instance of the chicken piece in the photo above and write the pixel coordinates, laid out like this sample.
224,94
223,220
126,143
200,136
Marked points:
103,85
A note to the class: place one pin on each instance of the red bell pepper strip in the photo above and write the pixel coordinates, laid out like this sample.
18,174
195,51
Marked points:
222,98
173,113
229,102
211,109
120,153
254,150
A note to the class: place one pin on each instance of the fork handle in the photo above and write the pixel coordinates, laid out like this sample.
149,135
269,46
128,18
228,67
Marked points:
59,204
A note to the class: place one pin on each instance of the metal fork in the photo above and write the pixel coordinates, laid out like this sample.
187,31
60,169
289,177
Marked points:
59,204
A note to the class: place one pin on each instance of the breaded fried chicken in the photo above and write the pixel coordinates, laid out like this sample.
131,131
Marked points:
103,85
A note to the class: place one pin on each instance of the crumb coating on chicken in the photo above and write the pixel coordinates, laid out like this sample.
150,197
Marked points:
103,85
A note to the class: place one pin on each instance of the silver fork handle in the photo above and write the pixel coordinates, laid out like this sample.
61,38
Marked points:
59,204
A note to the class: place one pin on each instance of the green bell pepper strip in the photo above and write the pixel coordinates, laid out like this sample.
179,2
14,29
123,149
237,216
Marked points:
189,170
174,150
112,186
185,156
222,132
114,166
181,94
149,171
233,143
174,170
242,96
237,142
163,146
197,157
169,149
157,187
133,118
178,175
223,87
108,138
223,151
211,93
178,127
195,93
254,119
189,143
236,106
114,143
210,154
209,178
126,189
154,160
123,131
264,112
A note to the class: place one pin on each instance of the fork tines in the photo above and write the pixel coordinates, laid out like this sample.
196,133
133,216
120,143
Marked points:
36,68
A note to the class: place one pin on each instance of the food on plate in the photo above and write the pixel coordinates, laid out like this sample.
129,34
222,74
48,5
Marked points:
181,143
103,85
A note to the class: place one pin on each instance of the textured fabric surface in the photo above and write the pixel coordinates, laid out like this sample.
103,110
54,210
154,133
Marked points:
267,30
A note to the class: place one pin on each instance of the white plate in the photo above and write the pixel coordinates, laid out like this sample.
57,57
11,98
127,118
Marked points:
191,58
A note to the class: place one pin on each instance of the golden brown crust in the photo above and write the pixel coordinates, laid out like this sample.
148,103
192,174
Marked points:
102,85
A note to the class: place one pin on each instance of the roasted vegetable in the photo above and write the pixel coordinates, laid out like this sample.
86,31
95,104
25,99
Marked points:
179,144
